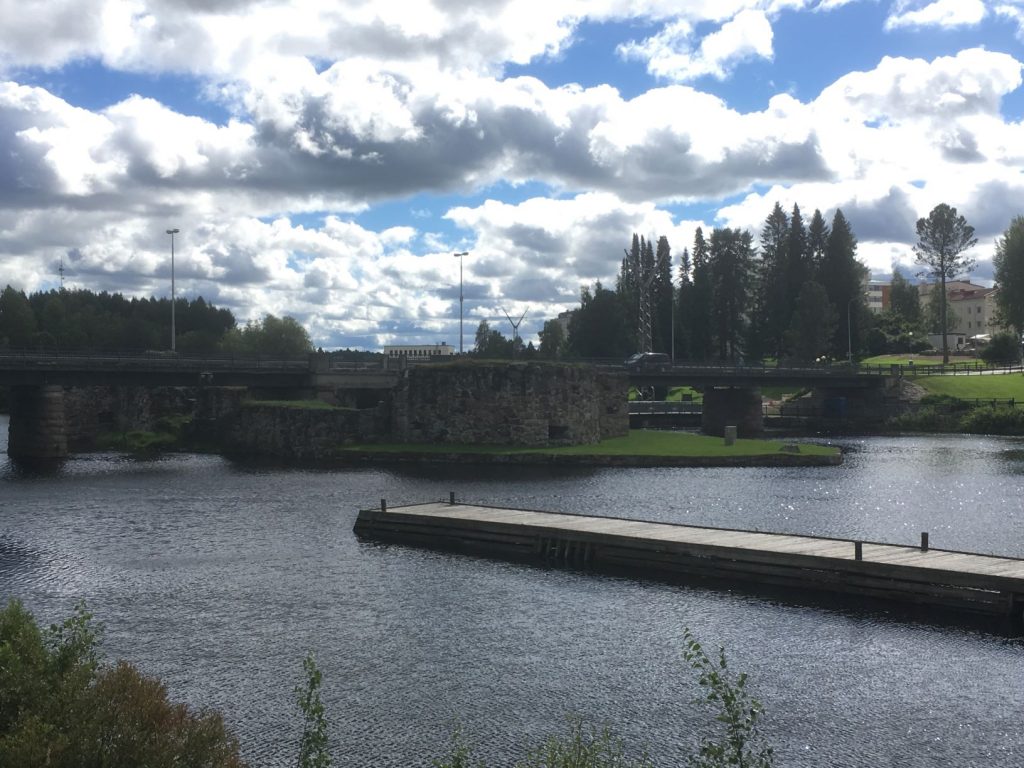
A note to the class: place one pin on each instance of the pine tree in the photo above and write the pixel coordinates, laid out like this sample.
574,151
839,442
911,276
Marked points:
941,240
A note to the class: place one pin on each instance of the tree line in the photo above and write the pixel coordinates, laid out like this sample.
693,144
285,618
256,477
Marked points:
75,320
797,294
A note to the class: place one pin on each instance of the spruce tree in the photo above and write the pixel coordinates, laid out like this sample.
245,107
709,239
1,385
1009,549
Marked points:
662,297
771,310
699,313
843,277
797,260
730,261
817,242
684,299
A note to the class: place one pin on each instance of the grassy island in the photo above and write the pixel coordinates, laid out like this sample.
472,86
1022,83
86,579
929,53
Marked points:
639,448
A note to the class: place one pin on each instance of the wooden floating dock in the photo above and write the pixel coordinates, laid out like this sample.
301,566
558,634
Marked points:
960,584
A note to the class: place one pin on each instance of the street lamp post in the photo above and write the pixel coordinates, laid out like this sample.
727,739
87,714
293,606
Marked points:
172,233
849,333
459,257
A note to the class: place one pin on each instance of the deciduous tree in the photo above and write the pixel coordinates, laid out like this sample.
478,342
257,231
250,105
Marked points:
269,335
1009,263
552,340
904,299
599,327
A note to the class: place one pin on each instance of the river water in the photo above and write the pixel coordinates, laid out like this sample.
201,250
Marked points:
219,577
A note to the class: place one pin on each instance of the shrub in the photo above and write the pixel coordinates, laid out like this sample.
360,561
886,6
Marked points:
582,748
60,707
1003,348
927,419
994,420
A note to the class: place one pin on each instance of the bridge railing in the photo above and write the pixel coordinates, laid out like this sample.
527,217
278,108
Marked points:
93,359
661,407
973,368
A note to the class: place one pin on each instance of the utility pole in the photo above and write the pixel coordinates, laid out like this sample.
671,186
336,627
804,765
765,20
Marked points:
172,233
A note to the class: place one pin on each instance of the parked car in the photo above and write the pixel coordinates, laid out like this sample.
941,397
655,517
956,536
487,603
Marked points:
648,362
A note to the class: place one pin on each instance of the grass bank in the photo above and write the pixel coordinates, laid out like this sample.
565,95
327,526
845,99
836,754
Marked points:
638,448
997,386
168,435
296,405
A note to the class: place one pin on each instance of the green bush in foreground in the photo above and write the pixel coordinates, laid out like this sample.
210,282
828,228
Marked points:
61,708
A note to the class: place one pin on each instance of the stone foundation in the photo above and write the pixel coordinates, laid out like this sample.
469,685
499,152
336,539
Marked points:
298,434
37,428
539,404
535,404
734,406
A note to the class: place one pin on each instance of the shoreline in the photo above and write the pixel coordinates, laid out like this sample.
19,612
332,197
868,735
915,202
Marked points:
589,460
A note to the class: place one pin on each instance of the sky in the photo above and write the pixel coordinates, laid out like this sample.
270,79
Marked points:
325,159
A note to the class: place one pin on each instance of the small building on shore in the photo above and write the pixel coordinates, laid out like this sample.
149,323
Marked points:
418,352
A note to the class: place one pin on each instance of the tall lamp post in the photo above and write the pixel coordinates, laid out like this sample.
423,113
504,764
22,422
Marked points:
849,333
172,233
459,257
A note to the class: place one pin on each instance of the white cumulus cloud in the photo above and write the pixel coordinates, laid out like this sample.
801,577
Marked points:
937,13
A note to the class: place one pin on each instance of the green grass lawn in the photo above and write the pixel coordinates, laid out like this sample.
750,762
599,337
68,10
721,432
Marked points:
1000,386
917,360
303,405
640,442
677,393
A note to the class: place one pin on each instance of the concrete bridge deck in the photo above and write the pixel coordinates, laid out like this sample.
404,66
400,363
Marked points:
965,584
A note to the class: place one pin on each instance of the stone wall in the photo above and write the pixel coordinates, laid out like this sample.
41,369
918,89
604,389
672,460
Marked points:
614,389
740,407
508,404
37,428
298,434
91,411
487,403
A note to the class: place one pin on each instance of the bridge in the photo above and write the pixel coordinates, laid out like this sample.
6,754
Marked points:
37,381
696,375
35,369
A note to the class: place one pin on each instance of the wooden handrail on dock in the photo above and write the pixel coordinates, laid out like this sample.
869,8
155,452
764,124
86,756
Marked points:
959,583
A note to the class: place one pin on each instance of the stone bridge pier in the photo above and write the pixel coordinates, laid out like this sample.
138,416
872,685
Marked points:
38,428
732,406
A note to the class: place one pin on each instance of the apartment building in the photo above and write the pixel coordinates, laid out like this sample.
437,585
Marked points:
973,307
